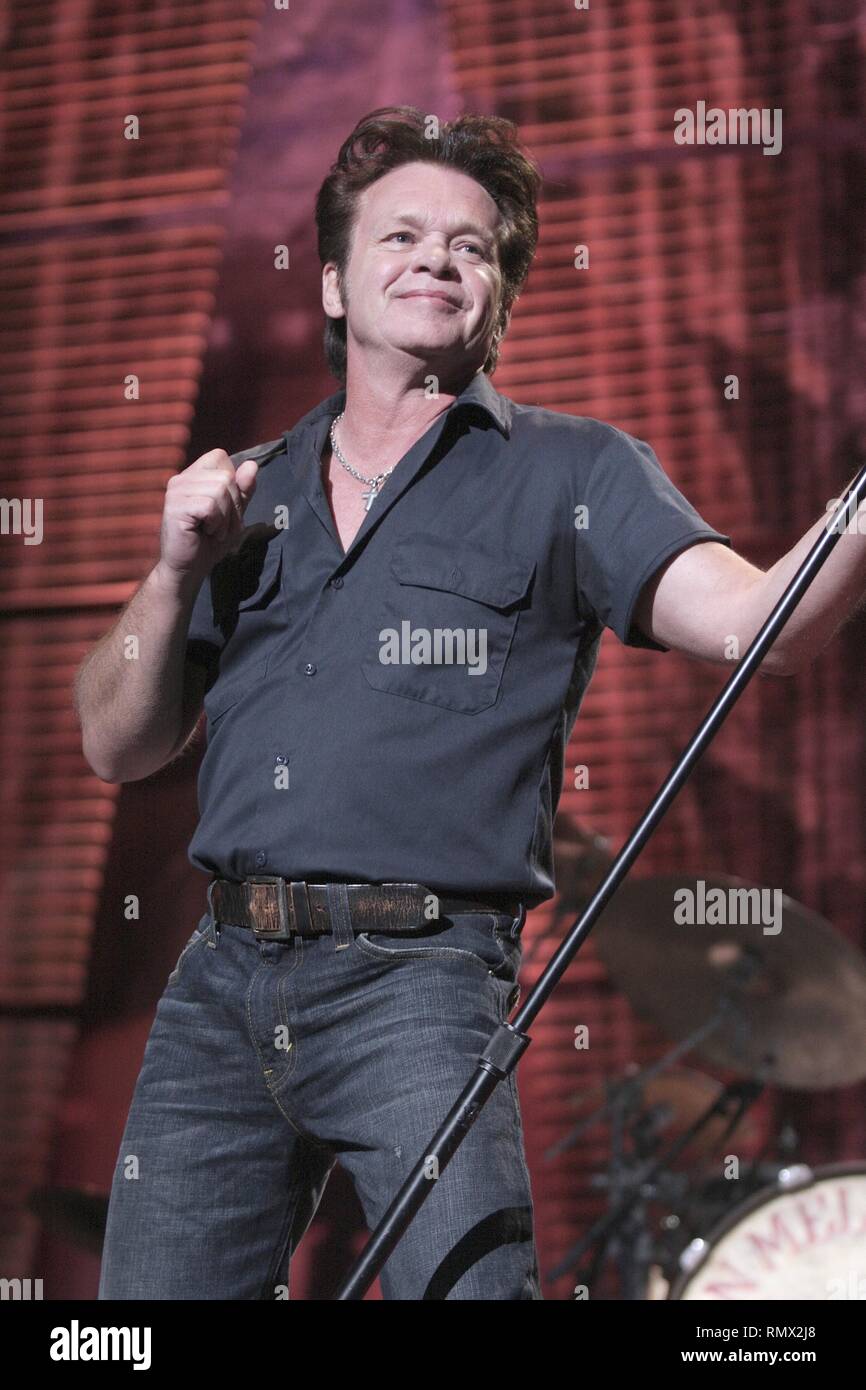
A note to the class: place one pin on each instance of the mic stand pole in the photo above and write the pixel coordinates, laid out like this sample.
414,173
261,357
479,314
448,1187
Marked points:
510,1040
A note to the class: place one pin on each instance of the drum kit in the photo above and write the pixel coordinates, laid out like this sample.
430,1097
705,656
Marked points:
781,1005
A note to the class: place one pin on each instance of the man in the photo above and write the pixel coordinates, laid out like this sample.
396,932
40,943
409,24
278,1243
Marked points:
391,618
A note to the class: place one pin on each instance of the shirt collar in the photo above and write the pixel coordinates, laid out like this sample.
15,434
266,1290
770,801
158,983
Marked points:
480,393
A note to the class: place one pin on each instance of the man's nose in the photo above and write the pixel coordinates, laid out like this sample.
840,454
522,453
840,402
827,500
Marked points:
432,255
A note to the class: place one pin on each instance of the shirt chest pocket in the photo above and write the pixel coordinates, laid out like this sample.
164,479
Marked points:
445,627
249,606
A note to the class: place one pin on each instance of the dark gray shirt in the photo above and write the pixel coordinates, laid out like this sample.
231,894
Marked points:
400,712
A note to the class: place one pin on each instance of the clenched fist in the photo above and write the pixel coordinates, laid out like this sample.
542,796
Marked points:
203,515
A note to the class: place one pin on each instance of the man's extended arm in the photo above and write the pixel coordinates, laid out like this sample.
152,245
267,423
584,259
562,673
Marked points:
709,602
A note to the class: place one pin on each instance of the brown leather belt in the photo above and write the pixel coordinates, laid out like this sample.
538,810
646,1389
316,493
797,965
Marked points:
276,909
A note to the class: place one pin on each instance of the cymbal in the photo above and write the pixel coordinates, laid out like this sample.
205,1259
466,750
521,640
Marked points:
800,1016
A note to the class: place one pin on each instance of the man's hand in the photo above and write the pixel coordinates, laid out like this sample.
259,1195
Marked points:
202,520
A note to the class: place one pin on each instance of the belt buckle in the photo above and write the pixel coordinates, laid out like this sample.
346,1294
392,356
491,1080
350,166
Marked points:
286,931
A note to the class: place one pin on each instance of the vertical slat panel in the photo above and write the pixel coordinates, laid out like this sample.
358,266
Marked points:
109,252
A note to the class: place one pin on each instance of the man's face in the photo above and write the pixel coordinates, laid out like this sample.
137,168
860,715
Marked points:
423,275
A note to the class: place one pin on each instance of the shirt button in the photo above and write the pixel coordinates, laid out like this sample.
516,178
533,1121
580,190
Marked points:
261,858
309,669
337,583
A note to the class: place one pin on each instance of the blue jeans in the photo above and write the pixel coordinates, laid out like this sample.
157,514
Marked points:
267,1061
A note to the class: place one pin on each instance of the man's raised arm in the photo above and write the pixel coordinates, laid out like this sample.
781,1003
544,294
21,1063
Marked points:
136,697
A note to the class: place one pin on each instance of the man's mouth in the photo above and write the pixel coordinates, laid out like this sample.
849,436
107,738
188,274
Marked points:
430,294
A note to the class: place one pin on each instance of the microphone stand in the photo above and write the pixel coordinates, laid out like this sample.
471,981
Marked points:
510,1040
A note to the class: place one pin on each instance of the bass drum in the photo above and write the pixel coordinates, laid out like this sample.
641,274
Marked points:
803,1238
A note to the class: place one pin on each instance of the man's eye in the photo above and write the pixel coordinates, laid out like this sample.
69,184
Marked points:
472,246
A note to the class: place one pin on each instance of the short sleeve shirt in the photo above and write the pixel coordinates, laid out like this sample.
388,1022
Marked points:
400,712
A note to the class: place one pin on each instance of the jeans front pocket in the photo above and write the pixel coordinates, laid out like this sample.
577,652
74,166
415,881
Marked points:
471,936
201,933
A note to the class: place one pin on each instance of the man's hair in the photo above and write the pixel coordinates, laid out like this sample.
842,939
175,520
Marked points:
484,147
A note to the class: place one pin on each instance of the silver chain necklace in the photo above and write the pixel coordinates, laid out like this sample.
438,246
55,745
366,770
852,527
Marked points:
372,483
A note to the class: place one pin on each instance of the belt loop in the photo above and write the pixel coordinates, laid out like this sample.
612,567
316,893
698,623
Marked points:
300,914
518,926
341,916
213,927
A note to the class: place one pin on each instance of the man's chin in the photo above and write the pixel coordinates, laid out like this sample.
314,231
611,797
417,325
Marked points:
425,350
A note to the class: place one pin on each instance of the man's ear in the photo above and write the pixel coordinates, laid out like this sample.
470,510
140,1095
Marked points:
332,301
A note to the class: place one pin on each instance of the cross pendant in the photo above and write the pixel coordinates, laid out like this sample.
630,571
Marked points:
369,497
